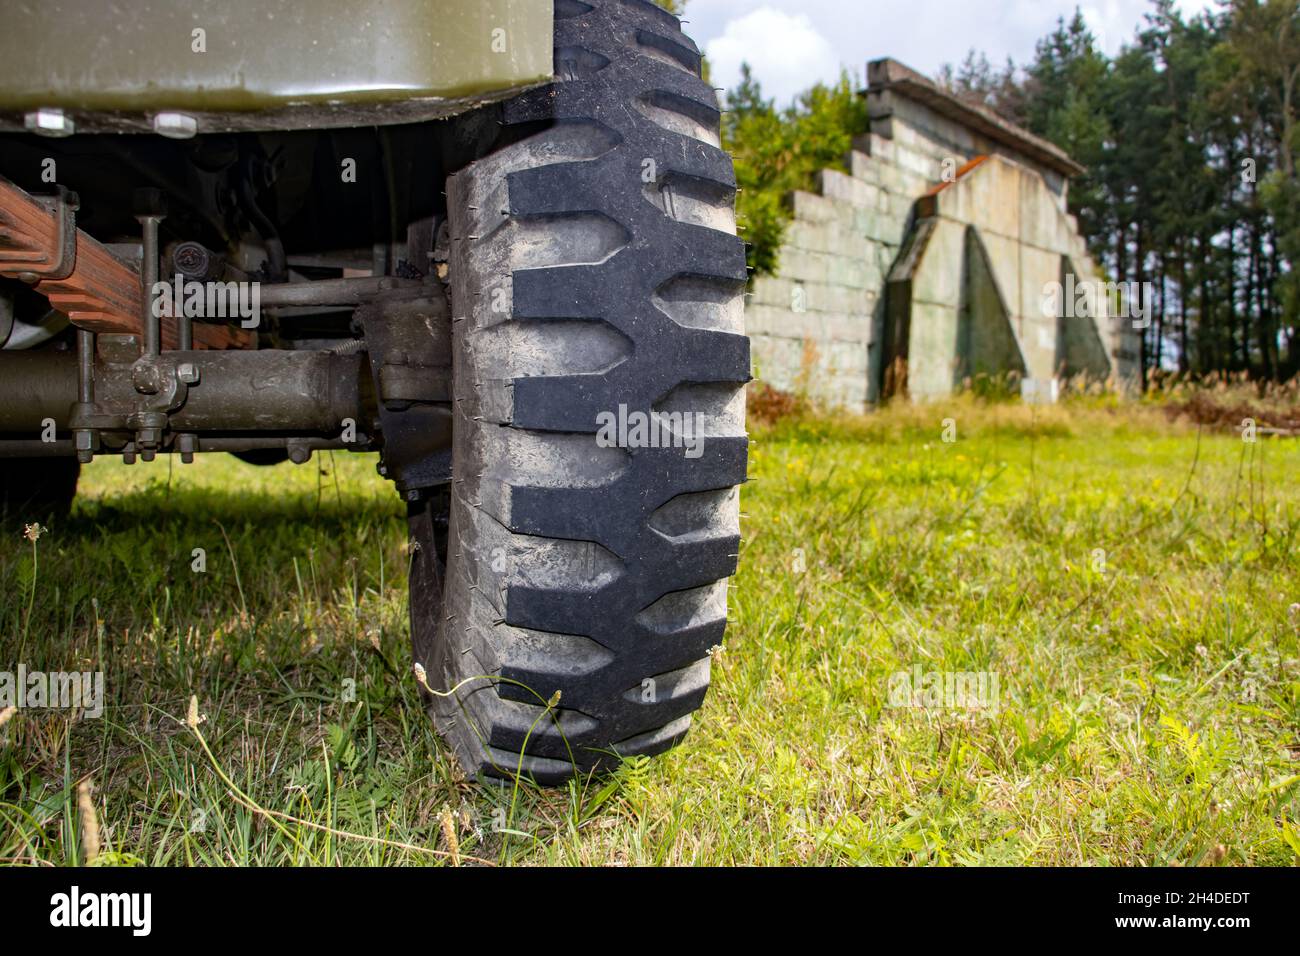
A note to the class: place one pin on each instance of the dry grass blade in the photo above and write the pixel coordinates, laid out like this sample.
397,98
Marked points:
449,833
194,719
89,823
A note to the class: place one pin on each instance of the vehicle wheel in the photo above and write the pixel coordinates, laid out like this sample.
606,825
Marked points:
594,267
36,488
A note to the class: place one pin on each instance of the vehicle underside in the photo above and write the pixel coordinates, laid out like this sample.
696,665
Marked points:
475,291
296,239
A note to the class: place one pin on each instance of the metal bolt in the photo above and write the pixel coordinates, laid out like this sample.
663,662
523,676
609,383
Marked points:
188,373
175,125
49,121
186,444
149,211
84,442
192,260
145,378
128,458
299,454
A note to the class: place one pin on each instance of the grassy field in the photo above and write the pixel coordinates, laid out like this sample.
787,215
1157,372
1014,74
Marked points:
1121,586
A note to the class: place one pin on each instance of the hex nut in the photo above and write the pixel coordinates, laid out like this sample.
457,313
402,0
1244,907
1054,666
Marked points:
84,442
49,121
144,376
175,125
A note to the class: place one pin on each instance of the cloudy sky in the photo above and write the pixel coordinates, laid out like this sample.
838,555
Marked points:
792,43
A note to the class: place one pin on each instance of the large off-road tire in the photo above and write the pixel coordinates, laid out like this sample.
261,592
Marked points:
32,489
594,264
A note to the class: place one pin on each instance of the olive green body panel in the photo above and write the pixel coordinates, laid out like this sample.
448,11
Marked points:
260,64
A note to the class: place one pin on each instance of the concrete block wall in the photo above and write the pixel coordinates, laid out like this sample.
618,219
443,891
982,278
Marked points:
937,137
1028,242
936,302
817,326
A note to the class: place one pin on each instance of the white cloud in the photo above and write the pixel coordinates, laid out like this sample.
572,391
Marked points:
1108,23
785,51
1115,23
792,44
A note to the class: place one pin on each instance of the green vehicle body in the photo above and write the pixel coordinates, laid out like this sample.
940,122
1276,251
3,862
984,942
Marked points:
261,65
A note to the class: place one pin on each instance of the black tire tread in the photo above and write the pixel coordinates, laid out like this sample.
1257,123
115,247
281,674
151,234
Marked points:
573,568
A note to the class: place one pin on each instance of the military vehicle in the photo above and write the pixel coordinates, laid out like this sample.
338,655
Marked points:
493,241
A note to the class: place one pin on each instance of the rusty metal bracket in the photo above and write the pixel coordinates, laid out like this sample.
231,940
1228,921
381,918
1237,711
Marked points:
408,344
402,384
63,208
32,251
94,288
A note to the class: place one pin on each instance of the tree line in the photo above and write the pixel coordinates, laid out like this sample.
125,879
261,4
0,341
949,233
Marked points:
1190,139
1189,136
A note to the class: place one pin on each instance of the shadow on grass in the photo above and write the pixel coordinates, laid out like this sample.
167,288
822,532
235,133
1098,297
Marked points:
200,561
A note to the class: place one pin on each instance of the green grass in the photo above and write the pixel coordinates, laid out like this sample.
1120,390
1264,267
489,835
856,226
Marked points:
1126,580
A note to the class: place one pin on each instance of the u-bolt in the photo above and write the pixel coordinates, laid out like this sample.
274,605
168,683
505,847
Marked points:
84,438
148,278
